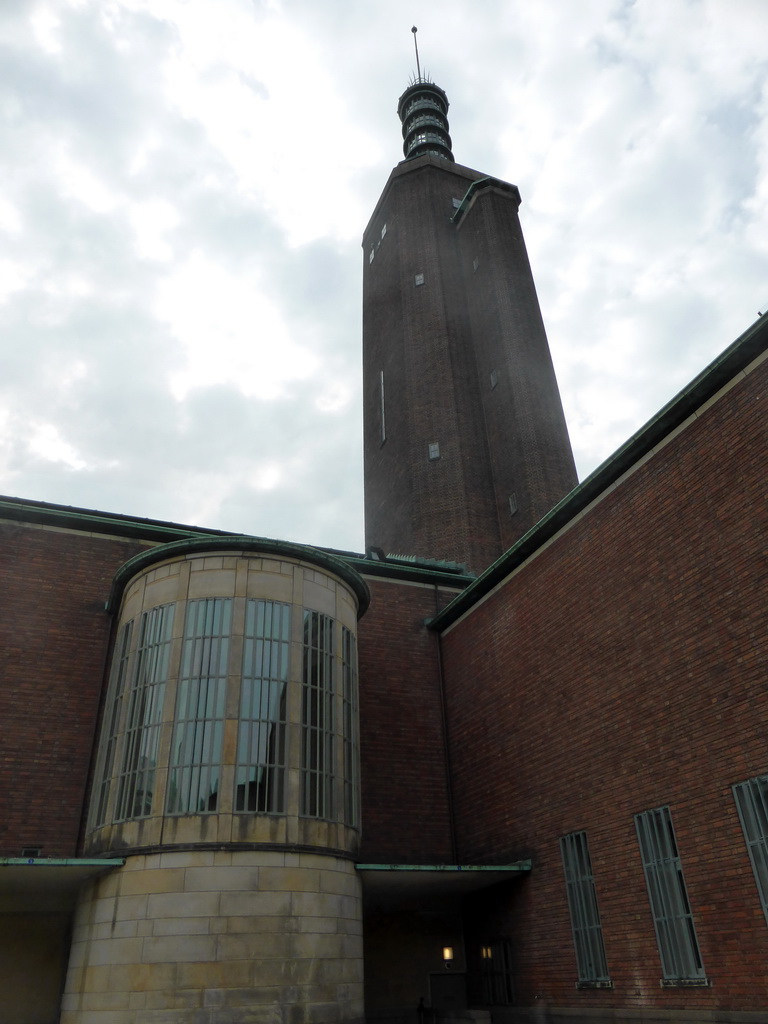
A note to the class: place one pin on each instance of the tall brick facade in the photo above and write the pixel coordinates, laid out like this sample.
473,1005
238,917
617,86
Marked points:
623,669
465,444
54,633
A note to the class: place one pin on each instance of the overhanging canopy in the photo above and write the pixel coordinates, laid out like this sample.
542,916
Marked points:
37,884
393,882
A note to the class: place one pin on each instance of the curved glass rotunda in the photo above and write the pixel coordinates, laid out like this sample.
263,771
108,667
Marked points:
227,776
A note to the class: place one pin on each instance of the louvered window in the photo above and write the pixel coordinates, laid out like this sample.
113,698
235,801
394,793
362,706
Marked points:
582,902
752,802
672,917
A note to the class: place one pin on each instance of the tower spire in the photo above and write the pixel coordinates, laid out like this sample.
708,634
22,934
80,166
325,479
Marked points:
423,110
416,46
466,446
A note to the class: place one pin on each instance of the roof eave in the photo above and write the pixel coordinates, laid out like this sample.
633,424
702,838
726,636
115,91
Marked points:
734,360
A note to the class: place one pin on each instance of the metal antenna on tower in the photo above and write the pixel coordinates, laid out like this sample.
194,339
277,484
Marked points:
416,45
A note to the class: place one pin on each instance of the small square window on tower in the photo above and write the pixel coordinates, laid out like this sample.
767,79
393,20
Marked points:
434,450
419,279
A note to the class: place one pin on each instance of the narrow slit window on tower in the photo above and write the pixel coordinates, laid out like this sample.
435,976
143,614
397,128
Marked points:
371,254
383,423
434,450
475,263
512,504
383,230
418,279
494,378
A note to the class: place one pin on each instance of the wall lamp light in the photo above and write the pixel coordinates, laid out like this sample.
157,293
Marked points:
447,956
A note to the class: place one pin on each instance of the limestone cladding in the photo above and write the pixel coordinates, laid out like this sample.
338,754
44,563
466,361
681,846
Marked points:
213,937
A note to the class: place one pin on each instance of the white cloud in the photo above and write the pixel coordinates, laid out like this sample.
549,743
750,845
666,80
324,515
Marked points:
230,332
45,24
47,442
152,220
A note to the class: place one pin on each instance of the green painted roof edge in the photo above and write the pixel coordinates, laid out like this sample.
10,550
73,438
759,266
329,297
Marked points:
66,862
520,865
157,531
259,545
404,572
111,523
747,347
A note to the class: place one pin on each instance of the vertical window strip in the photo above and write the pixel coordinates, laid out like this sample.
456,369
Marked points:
261,748
672,917
382,409
114,704
195,768
317,717
350,732
752,804
145,708
582,903
496,969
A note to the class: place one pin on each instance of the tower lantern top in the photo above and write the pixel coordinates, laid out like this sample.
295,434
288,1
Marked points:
423,110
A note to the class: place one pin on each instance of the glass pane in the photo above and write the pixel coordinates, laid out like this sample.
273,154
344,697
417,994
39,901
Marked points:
198,730
261,738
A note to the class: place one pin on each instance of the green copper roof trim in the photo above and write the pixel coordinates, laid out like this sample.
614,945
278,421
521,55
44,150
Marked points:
459,568
476,187
67,862
520,865
412,573
257,545
395,567
110,523
748,347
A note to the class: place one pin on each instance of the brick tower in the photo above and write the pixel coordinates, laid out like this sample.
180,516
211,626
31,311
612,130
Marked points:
465,443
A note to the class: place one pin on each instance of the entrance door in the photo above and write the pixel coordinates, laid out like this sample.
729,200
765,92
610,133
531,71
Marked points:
448,991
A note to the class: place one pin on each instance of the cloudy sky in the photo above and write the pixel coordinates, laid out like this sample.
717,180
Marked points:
184,185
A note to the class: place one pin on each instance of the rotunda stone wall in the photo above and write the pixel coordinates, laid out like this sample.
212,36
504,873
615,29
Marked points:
227,775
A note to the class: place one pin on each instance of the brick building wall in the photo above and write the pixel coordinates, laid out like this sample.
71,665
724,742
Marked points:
527,437
406,816
436,325
54,644
622,669
54,635
418,334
